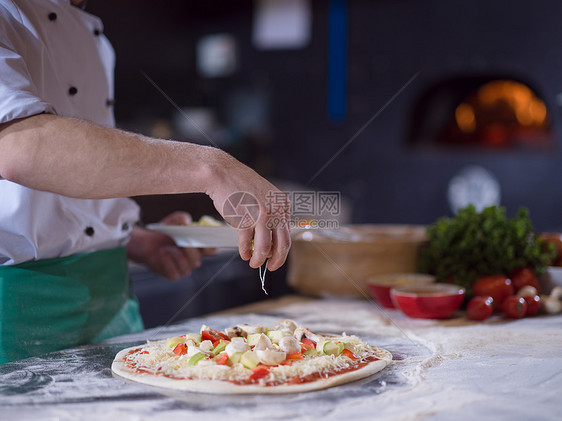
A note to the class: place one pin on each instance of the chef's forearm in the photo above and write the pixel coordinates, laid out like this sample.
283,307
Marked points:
79,159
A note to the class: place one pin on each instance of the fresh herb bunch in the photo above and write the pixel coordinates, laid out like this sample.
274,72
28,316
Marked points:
473,244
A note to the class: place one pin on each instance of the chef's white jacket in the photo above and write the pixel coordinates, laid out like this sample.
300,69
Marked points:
55,59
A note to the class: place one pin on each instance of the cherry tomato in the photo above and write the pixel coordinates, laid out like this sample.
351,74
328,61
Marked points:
522,277
533,304
496,286
514,307
480,308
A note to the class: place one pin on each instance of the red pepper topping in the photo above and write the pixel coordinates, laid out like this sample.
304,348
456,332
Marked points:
180,349
308,344
223,336
213,336
295,356
347,353
207,335
222,358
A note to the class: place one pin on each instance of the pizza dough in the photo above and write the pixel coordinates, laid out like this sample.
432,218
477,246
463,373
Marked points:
251,359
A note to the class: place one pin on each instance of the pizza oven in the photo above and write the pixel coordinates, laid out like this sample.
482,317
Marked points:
490,125
491,113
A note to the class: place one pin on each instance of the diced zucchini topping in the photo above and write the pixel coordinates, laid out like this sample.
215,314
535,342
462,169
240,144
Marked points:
195,359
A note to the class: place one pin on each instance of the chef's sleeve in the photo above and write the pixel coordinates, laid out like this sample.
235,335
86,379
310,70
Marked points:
18,94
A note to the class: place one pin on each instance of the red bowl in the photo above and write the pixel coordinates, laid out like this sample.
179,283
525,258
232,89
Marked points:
437,301
380,285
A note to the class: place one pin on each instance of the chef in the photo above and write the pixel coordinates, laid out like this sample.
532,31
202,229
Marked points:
66,224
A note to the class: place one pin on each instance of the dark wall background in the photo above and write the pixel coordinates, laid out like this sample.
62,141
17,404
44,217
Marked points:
386,178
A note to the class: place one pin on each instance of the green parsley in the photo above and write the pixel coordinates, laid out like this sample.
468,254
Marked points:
473,244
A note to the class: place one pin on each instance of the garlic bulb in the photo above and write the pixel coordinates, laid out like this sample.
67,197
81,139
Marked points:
552,303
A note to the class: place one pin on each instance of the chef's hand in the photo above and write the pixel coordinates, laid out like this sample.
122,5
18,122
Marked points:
160,253
269,237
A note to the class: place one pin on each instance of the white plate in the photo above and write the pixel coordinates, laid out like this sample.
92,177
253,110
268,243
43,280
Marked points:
199,236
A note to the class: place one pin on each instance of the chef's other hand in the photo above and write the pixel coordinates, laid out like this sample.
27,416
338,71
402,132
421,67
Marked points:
269,237
161,254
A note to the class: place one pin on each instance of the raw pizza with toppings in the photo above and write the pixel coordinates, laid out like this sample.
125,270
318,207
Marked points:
286,358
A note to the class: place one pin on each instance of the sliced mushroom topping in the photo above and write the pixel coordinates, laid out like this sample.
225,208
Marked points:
289,345
263,343
271,357
312,336
234,332
236,346
299,333
190,343
206,346
250,329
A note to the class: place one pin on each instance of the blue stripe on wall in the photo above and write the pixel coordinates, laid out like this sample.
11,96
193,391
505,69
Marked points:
337,60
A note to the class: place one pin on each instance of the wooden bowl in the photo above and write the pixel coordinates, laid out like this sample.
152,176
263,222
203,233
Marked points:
338,262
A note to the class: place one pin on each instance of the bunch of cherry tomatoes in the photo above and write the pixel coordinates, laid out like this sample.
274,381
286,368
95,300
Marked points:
517,296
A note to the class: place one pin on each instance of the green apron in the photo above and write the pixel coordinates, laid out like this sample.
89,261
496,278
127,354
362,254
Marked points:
48,305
